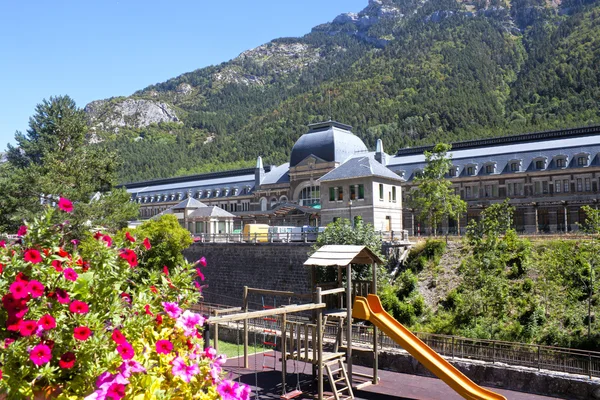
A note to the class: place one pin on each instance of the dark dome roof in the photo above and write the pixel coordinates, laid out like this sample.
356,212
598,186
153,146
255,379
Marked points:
330,141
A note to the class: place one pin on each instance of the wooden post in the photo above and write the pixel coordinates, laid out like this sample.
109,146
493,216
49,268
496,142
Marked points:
375,350
246,328
349,321
283,350
319,341
216,336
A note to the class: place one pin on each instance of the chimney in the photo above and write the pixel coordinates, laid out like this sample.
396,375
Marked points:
259,172
379,154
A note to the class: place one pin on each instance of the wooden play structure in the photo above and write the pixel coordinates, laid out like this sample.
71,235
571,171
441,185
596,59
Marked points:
301,328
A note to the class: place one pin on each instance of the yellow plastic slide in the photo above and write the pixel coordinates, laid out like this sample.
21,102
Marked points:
370,309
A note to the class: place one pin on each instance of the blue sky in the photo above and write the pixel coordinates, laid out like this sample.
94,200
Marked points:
94,49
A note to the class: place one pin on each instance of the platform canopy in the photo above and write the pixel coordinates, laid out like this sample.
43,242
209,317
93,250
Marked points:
341,255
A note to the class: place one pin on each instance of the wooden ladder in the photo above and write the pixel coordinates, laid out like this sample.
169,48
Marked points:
338,375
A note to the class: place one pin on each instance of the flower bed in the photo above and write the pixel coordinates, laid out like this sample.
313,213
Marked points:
82,318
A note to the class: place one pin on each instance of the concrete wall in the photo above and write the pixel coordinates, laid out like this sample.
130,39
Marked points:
231,266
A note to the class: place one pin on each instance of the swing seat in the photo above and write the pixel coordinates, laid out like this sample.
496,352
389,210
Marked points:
291,395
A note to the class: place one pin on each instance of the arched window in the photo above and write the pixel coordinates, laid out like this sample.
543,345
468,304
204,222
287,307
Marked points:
283,199
263,204
273,202
310,196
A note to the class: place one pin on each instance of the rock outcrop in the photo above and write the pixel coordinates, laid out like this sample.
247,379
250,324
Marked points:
110,115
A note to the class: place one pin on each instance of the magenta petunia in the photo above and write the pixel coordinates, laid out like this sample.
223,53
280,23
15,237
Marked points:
126,351
47,322
65,204
33,256
172,309
3,244
164,347
82,333
79,307
22,230
118,337
200,274
62,296
116,391
40,354
202,261
27,327
147,244
70,274
35,289
107,239
19,289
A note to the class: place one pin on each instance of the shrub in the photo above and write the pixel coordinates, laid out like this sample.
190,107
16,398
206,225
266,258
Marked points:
80,323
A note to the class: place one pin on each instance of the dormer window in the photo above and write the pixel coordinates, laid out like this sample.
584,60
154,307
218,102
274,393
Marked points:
226,192
180,196
199,194
401,173
490,168
217,192
208,193
418,173
453,171
539,163
561,161
471,169
583,159
236,191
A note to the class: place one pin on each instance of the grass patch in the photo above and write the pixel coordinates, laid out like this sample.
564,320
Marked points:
234,350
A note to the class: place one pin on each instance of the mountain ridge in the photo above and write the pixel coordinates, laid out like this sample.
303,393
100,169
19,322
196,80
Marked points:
409,72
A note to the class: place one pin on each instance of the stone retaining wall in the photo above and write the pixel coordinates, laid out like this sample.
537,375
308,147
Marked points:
231,266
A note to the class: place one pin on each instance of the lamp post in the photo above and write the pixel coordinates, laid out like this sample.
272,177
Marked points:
350,208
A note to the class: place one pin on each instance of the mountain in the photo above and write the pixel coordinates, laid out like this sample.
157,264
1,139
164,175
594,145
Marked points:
407,71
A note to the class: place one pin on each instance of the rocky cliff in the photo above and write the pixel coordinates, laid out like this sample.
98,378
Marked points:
110,115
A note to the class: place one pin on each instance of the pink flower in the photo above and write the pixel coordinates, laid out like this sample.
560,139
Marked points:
19,289
33,256
164,347
147,244
230,390
67,360
57,265
129,256
118,337
188,321
202,262
62,296
210,353
65,205
107,239
82,333
3,244
47,322
200,274
27,327
172,309
185,372
70,274
22,230
129,237
116,391
129,366
126,351
79,307
40,354
35,288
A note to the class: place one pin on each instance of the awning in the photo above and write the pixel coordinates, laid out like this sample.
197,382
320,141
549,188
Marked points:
342,255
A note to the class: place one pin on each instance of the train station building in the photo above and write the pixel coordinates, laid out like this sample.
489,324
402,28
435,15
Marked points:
548,176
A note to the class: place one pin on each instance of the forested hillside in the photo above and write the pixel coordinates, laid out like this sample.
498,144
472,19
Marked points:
405,71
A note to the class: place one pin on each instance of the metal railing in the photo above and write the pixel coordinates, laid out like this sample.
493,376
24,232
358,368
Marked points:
571,361
287,237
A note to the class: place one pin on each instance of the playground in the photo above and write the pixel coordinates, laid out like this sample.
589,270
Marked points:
299,363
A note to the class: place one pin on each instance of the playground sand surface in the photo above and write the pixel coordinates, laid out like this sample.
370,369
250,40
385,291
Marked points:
392,385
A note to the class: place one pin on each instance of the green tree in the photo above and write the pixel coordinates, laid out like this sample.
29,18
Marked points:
434,197
54,158
168,239
341,231
591,227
